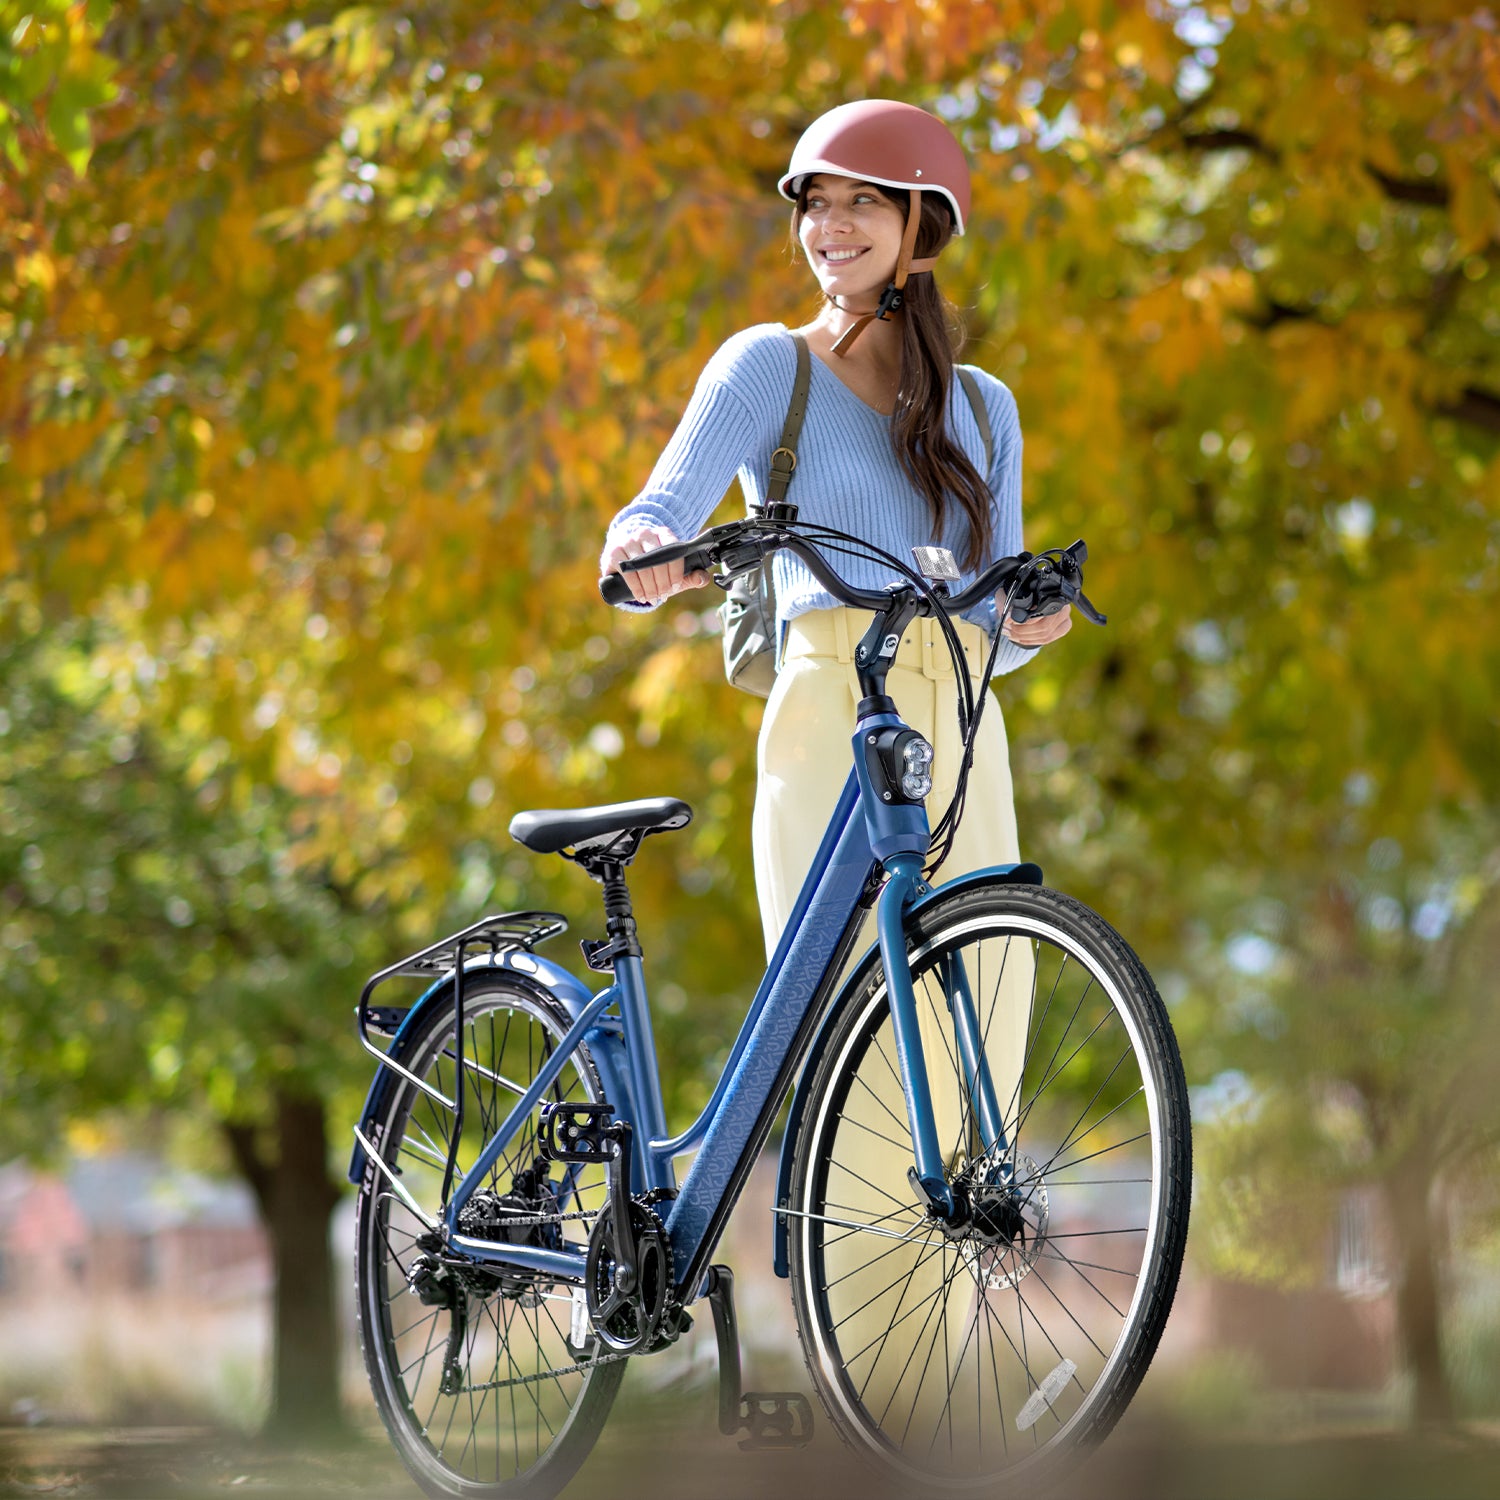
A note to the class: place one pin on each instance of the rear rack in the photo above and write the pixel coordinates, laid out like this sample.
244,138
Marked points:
504,932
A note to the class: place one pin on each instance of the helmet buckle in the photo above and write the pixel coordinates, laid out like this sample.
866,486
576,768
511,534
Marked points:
891,300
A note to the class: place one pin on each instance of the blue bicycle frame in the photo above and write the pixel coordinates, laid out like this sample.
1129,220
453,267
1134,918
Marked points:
864,834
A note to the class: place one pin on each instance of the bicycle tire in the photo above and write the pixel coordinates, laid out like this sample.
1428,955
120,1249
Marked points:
523,1422
1053,1328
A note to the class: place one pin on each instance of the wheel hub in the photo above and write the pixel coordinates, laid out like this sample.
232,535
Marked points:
1009,1219
489,1215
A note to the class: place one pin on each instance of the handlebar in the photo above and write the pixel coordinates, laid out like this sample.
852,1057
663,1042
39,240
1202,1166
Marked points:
1049,581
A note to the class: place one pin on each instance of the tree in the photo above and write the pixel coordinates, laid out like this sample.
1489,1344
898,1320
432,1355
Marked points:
163,950
329,367
1368,1053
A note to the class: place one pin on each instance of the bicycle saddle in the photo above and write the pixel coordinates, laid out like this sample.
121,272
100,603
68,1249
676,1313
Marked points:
549,832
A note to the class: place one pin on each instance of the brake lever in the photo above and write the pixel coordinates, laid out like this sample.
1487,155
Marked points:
1087,610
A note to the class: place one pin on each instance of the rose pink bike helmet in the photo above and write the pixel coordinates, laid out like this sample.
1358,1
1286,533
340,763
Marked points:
894,145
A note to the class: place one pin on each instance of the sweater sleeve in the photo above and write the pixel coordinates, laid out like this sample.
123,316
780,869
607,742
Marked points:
1005,490
714,440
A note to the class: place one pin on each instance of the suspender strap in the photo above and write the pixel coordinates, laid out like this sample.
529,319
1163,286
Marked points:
981,415
784,459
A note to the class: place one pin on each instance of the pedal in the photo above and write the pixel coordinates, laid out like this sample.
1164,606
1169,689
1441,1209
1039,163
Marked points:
773,1419
578,1132
776,1419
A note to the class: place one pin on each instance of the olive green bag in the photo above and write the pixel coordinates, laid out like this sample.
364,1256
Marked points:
749,607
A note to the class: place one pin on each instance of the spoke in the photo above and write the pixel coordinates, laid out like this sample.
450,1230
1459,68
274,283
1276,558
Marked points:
1075,1266
1041,1088
870,1130
1092,1265
989,1317
895,1323
1041,1021
1097,1123
1109,1182
932,1304
879,1046
866,1226
940,1307
1069,1138
849,1171
839,1239
407,1332
439,1154
874,1260
952,1384
859,1078
1049,1168
1042,1281
1087,1234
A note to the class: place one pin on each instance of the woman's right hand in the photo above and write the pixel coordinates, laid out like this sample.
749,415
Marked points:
652,585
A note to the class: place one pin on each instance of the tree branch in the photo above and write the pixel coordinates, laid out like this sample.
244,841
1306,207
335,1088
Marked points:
1422,191
1426,192
1479,408
1229,140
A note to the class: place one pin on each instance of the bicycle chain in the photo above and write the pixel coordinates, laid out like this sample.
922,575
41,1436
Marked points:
533,1222
500,1385
651,1199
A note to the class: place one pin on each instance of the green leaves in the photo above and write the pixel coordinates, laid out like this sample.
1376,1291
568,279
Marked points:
52,77
320,384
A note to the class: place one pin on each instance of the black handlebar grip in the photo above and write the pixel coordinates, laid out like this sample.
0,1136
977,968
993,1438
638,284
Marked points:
614,590
695,557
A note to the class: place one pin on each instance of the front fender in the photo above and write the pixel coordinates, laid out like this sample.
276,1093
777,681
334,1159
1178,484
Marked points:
547,978
1020,874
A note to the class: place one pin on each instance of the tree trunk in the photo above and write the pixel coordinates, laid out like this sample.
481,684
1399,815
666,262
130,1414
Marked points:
287,1166
1418,1310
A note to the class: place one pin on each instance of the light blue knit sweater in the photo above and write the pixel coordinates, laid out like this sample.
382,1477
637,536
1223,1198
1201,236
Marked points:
847,475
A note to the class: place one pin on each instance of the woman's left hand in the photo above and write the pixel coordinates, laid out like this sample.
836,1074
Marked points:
1040,630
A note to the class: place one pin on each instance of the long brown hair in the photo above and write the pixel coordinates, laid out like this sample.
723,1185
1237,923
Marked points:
932,334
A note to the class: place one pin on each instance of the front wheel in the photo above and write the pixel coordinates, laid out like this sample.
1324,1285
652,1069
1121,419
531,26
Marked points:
957,1356
473,1370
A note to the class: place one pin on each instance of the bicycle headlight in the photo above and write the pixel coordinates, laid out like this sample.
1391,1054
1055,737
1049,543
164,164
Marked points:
916,768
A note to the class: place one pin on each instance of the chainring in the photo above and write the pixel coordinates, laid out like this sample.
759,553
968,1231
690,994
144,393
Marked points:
628,1322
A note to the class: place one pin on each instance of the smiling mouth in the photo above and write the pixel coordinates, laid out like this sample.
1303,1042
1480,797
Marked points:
842,256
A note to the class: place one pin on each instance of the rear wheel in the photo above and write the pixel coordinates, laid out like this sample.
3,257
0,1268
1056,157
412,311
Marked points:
956,1357
473,1371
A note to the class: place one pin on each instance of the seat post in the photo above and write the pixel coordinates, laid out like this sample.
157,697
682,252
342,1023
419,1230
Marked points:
621,939
619,914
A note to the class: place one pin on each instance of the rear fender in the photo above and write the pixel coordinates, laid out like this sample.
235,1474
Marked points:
548,980
1021,874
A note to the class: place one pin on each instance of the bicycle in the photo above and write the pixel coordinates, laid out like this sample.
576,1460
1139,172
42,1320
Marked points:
977,1296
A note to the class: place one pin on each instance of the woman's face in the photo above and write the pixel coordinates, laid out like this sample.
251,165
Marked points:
851,234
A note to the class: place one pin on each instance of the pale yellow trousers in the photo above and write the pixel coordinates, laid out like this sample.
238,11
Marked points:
805,754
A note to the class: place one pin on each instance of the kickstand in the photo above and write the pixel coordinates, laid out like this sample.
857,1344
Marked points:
773,1419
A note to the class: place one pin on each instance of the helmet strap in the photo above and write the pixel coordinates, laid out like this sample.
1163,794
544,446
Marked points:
893,296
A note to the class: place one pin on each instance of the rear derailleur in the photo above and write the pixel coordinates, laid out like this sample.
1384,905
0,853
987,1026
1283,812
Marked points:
444,1281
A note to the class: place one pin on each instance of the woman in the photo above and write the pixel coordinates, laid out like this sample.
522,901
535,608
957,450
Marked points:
890,451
